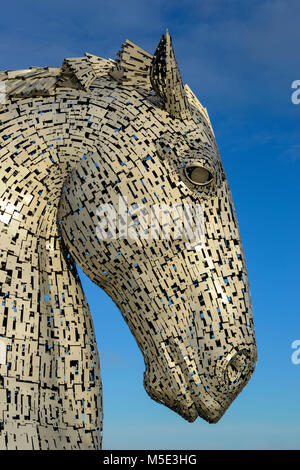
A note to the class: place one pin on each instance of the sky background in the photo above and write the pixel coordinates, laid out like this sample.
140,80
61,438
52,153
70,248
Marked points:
240,59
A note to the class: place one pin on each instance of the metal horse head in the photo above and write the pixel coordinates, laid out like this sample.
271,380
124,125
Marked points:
188,308
127,164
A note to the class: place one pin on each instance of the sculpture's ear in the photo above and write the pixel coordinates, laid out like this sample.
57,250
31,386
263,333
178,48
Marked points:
166,79
194,102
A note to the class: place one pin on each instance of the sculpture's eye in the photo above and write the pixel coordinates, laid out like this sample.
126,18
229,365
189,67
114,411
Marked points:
198,175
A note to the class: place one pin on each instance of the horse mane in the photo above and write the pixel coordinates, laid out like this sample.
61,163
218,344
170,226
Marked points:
78,73
132,68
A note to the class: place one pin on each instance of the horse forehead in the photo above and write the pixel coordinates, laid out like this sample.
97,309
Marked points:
137,105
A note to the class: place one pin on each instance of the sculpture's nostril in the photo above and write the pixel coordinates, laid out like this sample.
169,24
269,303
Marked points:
237,367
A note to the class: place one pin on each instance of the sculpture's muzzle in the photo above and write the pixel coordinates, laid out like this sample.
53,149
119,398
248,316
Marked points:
206,395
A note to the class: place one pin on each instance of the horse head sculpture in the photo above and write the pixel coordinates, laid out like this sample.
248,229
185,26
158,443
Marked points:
108,164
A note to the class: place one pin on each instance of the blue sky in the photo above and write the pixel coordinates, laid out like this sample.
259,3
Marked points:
239,58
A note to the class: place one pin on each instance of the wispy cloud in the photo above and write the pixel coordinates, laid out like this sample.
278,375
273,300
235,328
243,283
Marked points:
293,152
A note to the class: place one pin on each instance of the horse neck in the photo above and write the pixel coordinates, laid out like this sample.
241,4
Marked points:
32,179
44,313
